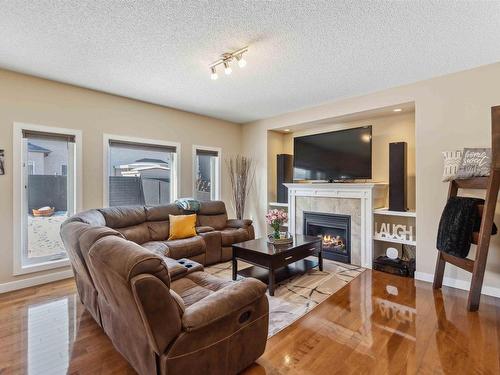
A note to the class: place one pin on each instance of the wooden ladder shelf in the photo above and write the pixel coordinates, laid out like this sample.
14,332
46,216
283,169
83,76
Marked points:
482,238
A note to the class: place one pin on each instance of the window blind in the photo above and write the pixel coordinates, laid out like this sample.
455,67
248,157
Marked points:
141,146
32,134
200,152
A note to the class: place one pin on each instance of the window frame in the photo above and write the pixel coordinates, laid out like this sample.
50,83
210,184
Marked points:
218,170
176,172
18,194
33,167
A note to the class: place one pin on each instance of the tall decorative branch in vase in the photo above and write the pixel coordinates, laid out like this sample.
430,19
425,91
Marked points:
241,171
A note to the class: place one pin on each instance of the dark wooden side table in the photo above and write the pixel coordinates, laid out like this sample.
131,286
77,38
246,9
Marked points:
275,263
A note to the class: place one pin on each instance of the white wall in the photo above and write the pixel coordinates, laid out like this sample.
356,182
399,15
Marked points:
451,112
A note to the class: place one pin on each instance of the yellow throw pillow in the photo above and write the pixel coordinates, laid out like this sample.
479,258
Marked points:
182,226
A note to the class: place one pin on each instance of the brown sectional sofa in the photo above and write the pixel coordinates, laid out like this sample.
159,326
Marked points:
149,227
151,296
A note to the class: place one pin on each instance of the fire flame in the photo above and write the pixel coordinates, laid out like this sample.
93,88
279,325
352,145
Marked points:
329,240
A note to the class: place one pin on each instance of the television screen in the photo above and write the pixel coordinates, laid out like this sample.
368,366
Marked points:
337,155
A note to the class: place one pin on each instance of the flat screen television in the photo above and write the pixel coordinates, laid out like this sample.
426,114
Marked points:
334,156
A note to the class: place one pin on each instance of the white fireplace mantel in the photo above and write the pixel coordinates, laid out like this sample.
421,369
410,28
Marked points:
372,195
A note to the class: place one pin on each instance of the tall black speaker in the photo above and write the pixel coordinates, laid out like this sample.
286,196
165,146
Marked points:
397,176
284,174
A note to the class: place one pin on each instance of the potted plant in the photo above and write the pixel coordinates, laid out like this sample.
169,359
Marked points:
275,218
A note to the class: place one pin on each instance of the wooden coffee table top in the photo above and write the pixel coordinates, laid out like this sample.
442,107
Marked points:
261,246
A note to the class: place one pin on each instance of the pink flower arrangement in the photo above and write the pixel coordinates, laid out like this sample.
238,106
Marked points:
275,218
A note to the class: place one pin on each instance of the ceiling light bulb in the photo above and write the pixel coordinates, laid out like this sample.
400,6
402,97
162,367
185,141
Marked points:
227,68
241,61
397,110
213,75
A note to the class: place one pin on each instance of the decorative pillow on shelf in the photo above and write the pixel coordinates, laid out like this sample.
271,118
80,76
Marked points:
451,163
476,162
182,226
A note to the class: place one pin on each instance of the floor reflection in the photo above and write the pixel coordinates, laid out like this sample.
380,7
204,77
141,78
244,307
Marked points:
378,310
458,340
50,333
377,324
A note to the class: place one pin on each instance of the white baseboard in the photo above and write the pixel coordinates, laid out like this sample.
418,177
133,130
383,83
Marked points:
459,284
35,280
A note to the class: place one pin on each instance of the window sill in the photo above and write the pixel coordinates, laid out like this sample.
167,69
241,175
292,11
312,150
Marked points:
44,266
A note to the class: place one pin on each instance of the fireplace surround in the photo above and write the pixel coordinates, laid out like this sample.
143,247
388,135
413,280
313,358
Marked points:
355,199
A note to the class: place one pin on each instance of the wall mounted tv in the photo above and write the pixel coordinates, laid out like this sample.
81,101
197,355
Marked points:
334,156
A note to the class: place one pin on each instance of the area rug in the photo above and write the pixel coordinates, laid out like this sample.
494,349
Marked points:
297,296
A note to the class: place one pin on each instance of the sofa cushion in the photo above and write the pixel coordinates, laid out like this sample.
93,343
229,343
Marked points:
160,213
186,247
212,208
158,230
222,303
182,226
233,235
197,285
217,222
125,216
212,214
91,217
136,233
158,247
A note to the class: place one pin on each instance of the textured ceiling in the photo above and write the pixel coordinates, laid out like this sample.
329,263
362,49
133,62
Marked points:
301,53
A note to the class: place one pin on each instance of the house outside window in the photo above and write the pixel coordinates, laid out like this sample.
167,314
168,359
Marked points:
140,171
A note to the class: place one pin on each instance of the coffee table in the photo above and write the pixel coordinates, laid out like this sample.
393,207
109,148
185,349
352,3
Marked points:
275,263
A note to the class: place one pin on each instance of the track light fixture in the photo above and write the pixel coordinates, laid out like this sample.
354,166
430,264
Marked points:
225,60
214,74
241,61
227,68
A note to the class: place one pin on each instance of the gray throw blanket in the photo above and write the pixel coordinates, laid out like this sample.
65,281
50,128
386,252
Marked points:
188,204
459,220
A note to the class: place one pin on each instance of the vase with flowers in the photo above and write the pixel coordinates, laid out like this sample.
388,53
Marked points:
275,218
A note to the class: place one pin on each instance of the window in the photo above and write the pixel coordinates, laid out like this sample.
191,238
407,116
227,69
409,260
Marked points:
44,196
140,171
206,173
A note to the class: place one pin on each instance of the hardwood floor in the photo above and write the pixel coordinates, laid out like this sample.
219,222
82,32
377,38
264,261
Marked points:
377,324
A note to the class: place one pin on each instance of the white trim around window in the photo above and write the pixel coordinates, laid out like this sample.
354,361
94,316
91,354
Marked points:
218,179
18,193
176,172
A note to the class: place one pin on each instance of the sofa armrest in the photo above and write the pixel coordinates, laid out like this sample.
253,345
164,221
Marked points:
222,303
159,309
204,229
235,223
175,270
